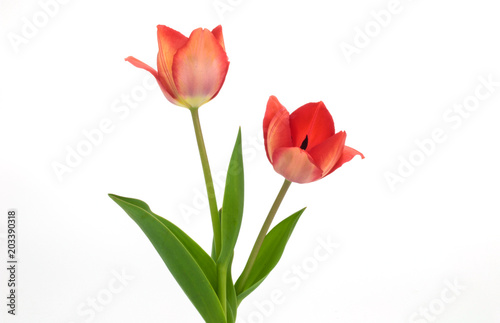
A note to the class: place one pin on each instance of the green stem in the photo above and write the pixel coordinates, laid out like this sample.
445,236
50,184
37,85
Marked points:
208,181
221,285
260,239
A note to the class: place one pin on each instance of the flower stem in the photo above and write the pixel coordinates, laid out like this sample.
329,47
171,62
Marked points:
208,181
260,239
222,285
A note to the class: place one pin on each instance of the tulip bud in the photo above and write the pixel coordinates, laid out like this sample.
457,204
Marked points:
191,70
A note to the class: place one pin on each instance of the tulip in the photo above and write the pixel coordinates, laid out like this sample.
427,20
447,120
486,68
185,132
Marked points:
303,146
191,70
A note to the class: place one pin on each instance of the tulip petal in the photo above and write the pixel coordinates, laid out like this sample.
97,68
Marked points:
217,32
312,120
347,155
199,68
275,108
278,134
137,63
295,165
169,42
327,153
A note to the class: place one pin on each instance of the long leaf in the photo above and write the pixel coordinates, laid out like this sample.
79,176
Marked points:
190,265
200,256
232,206
232,300
269,254
213,253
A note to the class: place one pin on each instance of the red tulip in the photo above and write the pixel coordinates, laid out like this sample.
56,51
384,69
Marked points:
303,146
191,70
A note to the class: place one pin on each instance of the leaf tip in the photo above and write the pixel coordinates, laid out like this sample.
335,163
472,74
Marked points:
115,197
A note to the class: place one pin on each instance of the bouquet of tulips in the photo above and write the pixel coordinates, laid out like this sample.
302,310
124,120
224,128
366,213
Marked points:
302,147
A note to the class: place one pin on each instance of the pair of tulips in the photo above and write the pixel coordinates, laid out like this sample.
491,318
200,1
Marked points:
302,146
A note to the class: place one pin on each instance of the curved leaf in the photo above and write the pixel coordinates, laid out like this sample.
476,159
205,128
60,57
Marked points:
232,206
190,265
269,254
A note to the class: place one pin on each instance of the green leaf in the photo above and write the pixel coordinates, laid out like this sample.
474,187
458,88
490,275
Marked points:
232,300
190,265
232,205
213,253
269,254
200,256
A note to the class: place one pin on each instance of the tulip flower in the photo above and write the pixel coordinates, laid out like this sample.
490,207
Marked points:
191,70
303,146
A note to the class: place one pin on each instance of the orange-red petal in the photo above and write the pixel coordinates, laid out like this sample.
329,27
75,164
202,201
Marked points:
169,42
273,108
348,154
278,134
137,63
295,165
199,68
312,120
217,32
327,153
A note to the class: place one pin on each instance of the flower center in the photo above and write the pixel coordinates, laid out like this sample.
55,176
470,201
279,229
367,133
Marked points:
304,144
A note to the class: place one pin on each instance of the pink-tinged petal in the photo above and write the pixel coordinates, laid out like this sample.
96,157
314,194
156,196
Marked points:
199,68
312,120
278,134
137,63
169,42
273,108
348,154
217,32
223,79
327,153
295,165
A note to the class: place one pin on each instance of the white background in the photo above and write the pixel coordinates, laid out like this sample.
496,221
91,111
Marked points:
398,247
